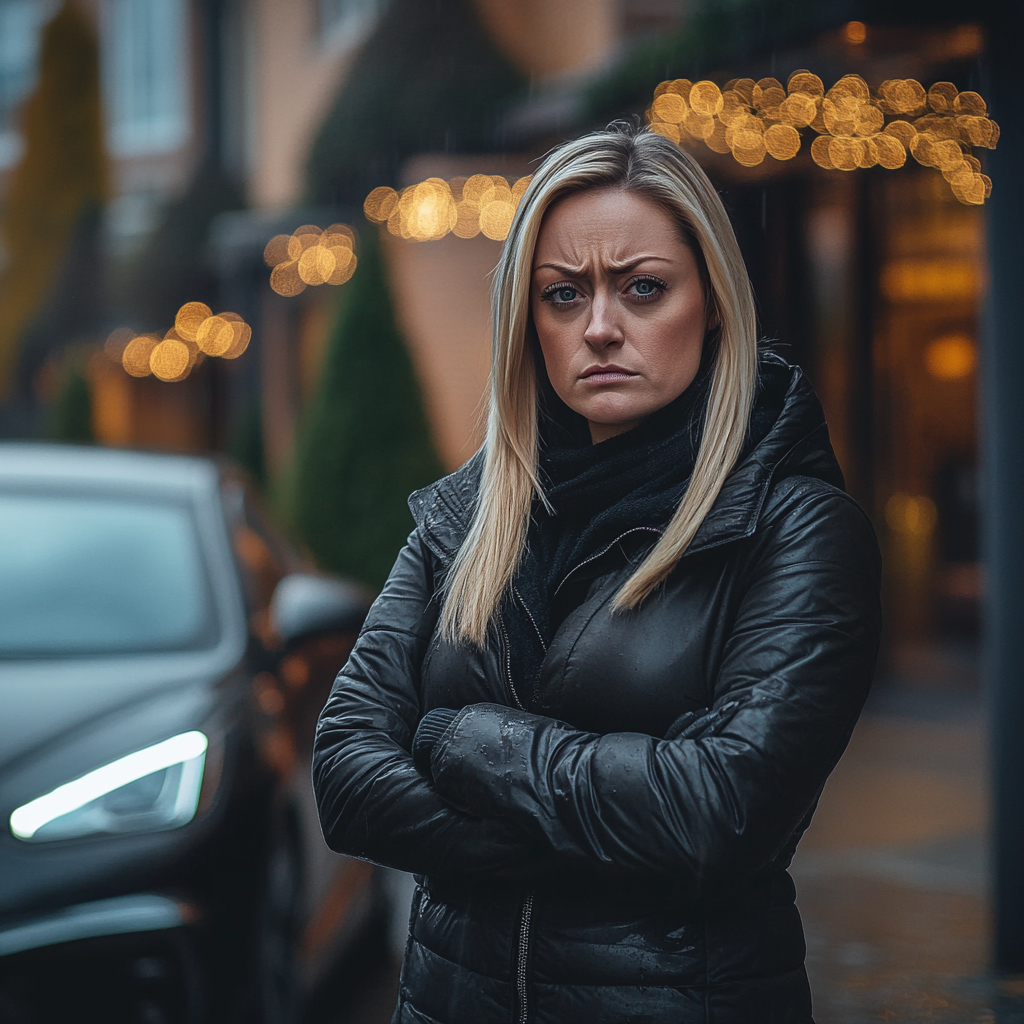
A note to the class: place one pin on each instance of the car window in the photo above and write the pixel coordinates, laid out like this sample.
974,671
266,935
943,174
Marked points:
81,574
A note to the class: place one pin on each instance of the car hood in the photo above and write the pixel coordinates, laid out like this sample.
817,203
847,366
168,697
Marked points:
46,703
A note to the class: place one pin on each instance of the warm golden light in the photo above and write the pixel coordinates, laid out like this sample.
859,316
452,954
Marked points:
190,318
952,357
465,207
136,355
215,336
169,360
196,334
311,257
754,120
856,32
929,280
914,514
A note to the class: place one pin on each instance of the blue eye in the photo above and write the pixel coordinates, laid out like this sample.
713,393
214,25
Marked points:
644,287
565,294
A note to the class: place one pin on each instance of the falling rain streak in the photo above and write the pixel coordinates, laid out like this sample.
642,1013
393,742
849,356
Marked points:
310,256
465,207
196,334
752,120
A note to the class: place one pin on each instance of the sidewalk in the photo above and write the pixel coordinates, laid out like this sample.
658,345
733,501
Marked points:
892,873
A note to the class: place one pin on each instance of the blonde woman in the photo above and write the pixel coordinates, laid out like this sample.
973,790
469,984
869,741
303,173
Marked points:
598,698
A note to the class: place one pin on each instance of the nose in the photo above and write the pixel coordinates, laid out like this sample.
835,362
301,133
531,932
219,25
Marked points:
604,328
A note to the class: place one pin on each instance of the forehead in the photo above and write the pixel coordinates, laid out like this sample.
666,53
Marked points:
609,222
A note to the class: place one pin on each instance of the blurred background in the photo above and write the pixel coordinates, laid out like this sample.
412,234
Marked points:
158,153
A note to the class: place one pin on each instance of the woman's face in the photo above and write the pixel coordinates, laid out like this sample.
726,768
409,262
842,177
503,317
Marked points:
618,306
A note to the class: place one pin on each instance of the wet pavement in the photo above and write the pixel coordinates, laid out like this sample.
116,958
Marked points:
891,875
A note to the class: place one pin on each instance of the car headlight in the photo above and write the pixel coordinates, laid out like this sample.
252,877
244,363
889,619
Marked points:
154,789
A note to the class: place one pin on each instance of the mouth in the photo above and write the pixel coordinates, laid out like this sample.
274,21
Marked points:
610,374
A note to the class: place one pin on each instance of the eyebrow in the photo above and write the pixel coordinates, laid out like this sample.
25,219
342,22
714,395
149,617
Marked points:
616,268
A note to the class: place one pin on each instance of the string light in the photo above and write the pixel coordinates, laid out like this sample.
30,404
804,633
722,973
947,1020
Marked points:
197,333
466,207
854,127
310,256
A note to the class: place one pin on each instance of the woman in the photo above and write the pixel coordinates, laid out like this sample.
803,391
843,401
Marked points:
598,698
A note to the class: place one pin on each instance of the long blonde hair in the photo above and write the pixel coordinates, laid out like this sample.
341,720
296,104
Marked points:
648,165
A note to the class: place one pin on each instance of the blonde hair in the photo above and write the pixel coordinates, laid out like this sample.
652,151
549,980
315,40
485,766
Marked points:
647,165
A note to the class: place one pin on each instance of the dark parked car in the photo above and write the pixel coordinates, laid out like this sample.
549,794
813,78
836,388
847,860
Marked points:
163,657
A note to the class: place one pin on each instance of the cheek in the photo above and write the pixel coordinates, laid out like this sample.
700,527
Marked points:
555,345
674,345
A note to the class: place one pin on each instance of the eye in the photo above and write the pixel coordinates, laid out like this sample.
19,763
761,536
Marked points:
646,288
561,294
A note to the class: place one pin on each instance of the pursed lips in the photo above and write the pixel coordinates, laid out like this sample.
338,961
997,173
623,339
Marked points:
606,374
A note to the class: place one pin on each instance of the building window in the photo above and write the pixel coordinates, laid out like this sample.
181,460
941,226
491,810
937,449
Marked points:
21,23
146,74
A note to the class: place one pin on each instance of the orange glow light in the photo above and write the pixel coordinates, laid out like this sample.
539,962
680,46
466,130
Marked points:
465,207
311,257
856,32
914,514
754,120
953,357
196,334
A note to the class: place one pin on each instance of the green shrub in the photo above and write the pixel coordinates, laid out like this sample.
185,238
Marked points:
70,416
365,443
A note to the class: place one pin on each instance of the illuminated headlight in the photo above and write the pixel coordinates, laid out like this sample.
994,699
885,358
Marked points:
149,791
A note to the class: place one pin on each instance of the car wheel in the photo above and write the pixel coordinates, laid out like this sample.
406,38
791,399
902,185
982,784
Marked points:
278,925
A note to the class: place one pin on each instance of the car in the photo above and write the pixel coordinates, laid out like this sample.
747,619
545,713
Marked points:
164,654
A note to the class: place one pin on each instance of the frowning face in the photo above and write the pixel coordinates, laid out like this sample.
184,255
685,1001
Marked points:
618,306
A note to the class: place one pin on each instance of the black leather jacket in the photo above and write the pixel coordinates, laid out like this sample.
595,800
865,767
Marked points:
576,866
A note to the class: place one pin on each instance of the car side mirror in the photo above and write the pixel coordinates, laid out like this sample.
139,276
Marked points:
304,604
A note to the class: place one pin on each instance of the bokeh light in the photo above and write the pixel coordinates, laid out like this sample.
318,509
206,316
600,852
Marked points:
135,358
196,334
465,207
856,32
952,357
310,256
913,514
853,127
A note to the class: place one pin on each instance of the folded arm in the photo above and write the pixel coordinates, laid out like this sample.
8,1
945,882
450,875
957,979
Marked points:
373,802
795,673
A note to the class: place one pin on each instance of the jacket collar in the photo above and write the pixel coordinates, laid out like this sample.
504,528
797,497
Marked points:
797,443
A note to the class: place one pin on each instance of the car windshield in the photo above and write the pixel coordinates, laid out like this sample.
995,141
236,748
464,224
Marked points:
85,575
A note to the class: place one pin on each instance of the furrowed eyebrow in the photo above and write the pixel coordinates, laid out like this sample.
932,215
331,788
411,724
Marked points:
615,268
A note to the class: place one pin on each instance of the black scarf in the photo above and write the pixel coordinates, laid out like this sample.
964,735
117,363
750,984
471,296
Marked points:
599,492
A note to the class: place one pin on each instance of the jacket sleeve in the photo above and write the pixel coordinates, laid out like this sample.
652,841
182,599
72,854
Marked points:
795,672
373,803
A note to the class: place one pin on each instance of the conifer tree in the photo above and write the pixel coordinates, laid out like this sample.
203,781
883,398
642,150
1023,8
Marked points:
60,179
70,417
366,443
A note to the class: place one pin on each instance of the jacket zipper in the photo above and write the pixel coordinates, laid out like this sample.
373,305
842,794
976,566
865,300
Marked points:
526,906
525,917
529,615
507,660
604,551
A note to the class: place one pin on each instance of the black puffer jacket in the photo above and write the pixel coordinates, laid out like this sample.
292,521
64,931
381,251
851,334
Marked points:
576,866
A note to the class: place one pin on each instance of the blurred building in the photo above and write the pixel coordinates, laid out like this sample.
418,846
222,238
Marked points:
872,280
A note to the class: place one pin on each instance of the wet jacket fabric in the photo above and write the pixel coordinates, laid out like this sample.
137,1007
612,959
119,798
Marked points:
618,853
